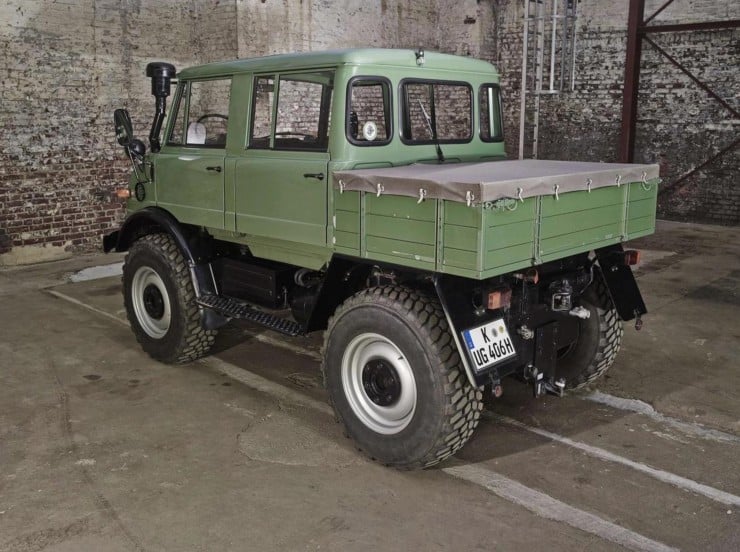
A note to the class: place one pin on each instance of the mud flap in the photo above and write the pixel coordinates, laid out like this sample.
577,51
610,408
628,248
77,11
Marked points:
620,282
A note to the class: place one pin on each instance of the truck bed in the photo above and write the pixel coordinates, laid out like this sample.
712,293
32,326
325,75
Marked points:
483,219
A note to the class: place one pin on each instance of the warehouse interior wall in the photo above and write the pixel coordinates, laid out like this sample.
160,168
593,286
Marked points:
65,65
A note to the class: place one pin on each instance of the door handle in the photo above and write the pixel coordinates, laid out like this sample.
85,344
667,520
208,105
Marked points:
216,169
317,176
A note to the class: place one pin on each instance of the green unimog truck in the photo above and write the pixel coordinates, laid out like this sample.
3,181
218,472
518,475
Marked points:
366,193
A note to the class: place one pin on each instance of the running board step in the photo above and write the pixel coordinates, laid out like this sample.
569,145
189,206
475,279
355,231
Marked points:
243,311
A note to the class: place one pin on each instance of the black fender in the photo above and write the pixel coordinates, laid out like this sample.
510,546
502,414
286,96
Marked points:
621,283
154,219
344,277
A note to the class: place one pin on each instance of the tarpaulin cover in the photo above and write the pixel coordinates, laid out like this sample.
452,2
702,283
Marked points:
493,180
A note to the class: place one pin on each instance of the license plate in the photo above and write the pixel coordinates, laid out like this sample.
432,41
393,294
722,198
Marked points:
489,344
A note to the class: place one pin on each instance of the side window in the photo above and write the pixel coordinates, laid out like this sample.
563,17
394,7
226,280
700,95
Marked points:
491,127
368,119
262,110
205,106
444,108
303,114
178,114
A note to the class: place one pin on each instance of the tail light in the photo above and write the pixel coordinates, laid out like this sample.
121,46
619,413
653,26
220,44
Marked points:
499,299
632,257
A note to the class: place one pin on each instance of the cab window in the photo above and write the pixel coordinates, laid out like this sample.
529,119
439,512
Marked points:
438,110
292,111
491,127
368,117
201,114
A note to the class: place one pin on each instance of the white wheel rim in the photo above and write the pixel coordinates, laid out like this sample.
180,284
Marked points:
147,288
378,383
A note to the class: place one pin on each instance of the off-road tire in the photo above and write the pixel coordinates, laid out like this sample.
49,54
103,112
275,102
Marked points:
184,339
599,338
447,408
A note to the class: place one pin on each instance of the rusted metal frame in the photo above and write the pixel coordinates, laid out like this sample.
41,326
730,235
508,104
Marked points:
716,156
699,83
703,26
660,9
631,80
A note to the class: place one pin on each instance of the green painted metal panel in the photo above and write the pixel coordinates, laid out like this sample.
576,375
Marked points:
347,201
274,199
400,207
459,214
349,240
511,211
552,256
499,237
583,201
460,259
642,208
398,248
187,189
571,223
583,240
508,255
461,237
435,64
309,256
638,225
640,190
347,221
416,231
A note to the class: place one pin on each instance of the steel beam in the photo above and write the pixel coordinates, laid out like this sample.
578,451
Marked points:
703,26
631,81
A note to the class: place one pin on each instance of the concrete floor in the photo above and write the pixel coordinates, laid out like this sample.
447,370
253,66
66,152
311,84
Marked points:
102,448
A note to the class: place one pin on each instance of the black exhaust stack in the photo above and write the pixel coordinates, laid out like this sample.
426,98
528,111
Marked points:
161,74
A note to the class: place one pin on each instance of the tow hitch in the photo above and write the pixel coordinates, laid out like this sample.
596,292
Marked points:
543,385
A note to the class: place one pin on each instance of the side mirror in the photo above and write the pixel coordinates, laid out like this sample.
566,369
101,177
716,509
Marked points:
124,129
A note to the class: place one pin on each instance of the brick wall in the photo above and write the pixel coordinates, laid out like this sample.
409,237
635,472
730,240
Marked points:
64,67
678,125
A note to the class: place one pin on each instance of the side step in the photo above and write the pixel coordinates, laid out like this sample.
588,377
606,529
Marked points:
243,311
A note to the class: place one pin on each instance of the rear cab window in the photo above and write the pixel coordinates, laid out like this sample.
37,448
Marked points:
368,116
291,111
201,114
444,108
491,126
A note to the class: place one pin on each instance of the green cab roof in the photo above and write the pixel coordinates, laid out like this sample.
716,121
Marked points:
330,58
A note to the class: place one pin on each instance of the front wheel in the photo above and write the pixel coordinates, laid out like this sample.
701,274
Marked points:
395,379
160,301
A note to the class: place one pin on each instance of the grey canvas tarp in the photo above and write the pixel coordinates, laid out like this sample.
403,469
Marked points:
474,183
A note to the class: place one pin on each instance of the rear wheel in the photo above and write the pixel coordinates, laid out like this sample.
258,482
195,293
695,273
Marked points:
160,301
395,380
599,339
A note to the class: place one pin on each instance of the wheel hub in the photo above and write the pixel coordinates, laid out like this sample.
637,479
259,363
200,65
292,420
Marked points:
150,302
381,382
153,301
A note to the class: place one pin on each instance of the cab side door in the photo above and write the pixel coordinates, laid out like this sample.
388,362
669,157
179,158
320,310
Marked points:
189,170
281,180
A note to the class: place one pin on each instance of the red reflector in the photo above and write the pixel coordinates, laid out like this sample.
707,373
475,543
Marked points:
123,193
500,299
631,257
